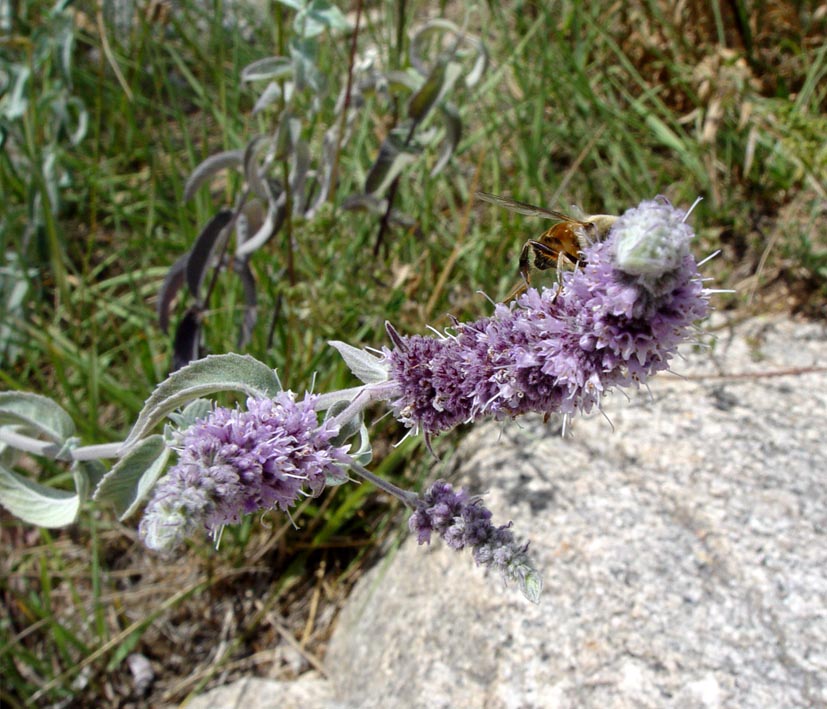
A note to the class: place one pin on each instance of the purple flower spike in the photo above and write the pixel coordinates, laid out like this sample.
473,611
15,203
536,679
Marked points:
615,321
235,462
463,521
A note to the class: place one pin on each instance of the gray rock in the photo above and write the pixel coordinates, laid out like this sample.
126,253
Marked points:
307,692
684,553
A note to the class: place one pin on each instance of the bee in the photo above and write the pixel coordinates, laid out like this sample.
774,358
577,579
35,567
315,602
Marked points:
558,247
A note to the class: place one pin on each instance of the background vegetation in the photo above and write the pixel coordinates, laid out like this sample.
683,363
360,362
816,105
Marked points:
105,111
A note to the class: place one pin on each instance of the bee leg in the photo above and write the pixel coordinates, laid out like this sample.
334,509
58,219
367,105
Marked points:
547,257
516,292
527,262
562,258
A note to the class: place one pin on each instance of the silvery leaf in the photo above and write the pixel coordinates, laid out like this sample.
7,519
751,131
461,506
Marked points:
191,413
209,167
131,479
35,503
369,368
272,223
267,97
36,414
227,372
269,68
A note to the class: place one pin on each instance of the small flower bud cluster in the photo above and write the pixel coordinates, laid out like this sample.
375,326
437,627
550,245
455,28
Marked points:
559,350
652,240
235,462
463,521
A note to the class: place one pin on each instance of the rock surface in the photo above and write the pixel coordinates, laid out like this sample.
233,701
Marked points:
684,553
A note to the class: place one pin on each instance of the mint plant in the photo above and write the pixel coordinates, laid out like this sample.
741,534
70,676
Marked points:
615,321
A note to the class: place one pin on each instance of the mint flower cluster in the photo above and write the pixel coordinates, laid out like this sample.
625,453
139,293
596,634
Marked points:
615,321
463,521
235,462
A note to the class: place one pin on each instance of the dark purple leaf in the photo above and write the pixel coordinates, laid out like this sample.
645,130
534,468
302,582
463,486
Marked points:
187,345
199,257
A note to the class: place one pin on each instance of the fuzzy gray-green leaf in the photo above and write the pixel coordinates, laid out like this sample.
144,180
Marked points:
304,53
268,97
35,503
317,17
293,4
37,415
227,372
269,68
363,453
252,171
193,411
130,480
209,167
87,474
272,223
369,368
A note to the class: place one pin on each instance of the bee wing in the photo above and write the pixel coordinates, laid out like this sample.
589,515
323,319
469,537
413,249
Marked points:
529,210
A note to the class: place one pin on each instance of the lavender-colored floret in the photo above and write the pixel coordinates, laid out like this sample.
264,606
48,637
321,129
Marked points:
235,462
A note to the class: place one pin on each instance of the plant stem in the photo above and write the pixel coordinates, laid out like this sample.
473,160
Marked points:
407,497
47,449
368,394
